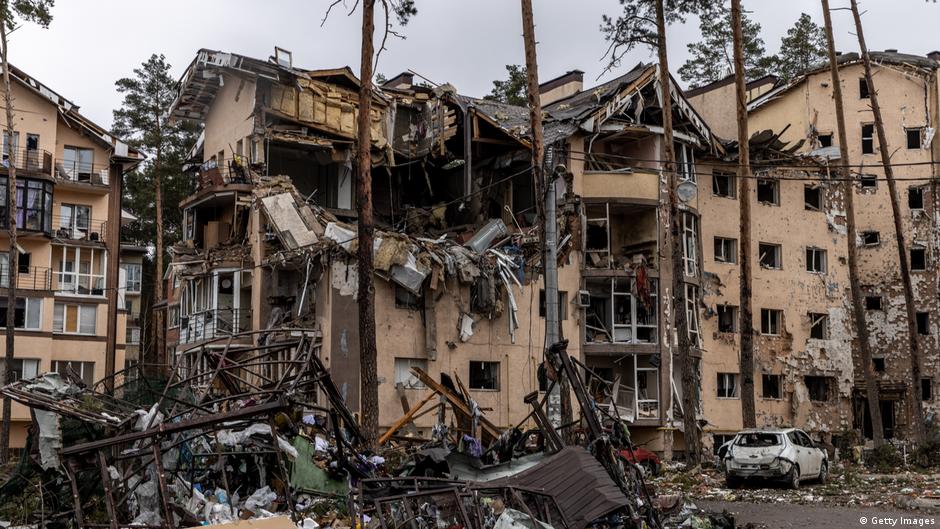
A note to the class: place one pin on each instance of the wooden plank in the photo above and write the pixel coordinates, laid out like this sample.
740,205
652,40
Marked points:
455,401
404,419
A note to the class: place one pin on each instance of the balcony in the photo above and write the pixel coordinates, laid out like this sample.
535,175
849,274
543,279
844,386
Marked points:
79,270
216,173
29,278
629,387
213,323
621,310
620,236
82,175
28,161
641,186
79,228
78,284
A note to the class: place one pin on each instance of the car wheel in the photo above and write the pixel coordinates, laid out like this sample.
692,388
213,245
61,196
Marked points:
732,482
650,468
793,477
823,473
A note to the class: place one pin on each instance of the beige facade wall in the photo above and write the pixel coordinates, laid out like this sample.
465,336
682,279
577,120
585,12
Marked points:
37,115
717,107
792,353
230,118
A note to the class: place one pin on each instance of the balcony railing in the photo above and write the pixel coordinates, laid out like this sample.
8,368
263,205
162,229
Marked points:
29,278
71,228
78,283
28,160
217,173
213,323
82,172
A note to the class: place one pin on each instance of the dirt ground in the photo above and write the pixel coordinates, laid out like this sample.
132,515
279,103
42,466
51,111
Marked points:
787,516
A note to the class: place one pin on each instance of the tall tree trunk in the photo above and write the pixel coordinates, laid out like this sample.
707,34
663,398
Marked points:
748,403
848,190
913,398
13,260
368,356
689,378
160,358
560,400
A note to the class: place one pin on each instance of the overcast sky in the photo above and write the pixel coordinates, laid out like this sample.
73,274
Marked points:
92,43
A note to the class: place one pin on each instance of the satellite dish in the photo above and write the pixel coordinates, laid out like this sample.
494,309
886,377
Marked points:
686,191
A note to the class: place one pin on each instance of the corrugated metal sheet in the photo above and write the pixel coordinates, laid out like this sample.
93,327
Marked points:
581,487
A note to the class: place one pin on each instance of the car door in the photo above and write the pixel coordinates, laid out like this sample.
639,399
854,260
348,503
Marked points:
815,452
809,456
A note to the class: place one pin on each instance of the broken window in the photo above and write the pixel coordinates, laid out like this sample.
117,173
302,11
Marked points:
926,389
404,299
863,92
818,326
85,371
727,318
403,374
918,259
27,313
816,260
726,250
812,198
915,198
770,321
873,302
871,238
818,388
562,304
691,315
923,323
825,140
867,181
621,310
484,375
685,162
723,184
690,243
770,386
914,137
768,191
727,385
868,139
878,364
770,255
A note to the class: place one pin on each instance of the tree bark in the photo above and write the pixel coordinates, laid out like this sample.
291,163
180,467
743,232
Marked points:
368,356
159,350
13,259
748,403
913,398
689,378
848,190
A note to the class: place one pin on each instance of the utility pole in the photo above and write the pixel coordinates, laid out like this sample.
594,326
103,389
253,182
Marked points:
13,264
913,399
558,413
368,355
848,191
748,404
688,370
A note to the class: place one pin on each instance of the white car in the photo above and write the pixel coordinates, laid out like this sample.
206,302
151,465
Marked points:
786,455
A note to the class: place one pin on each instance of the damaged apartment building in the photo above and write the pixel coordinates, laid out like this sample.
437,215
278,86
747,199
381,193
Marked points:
270,232
808,372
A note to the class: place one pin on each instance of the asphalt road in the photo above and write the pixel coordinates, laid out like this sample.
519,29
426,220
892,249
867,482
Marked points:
787,516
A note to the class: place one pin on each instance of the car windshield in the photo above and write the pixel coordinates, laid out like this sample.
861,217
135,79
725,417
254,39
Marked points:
756,439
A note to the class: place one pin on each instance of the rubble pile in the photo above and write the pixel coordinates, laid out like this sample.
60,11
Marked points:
848,485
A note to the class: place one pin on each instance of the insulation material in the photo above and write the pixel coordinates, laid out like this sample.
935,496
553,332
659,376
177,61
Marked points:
345,278
50,438
233,438
291,228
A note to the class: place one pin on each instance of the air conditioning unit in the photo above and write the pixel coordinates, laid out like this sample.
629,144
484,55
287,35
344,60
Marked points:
584,298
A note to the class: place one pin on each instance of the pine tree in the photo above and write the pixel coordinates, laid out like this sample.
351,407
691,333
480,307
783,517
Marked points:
153,192
39,12
512,90
711,56
803,46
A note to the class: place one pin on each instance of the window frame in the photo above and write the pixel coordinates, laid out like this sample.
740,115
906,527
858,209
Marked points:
920,137
779,385
731,184
725,241
827,381
723,310
483,364
775,183
773,321
818,321
819,192
79,320
412,381
85,367
878,298
923,329
863,90
921,251
28,302
816,260
877,238
562,304
128,281
778,252
867,143
722,389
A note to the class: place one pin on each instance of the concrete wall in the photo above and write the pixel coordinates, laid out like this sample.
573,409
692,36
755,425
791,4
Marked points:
230,117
